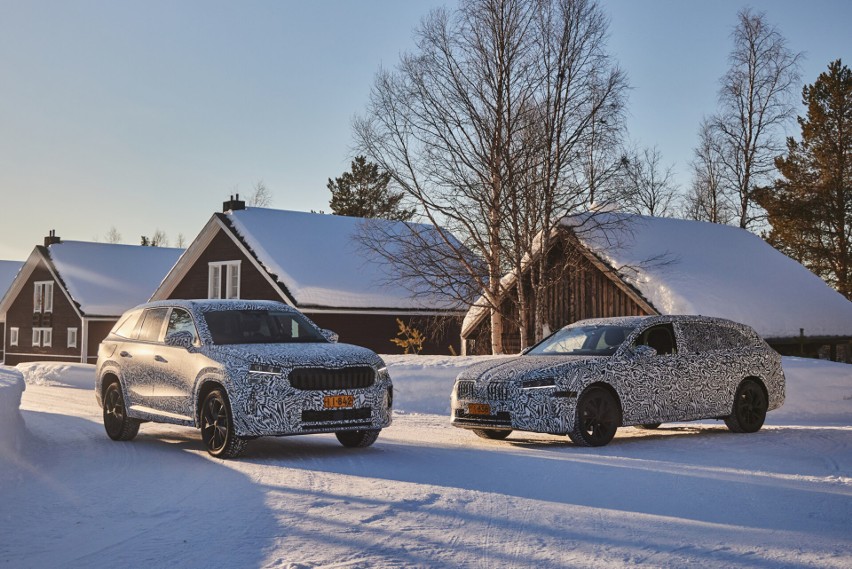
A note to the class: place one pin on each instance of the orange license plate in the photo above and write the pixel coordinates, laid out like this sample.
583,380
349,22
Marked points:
338,401
479,409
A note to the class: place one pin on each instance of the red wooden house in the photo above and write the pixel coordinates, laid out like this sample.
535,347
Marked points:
68,295
314,263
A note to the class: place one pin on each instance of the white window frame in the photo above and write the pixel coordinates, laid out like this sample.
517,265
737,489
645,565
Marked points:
13,336
232,279
43,290
42,337
72,337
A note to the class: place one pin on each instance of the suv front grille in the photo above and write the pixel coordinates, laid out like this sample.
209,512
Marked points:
324,379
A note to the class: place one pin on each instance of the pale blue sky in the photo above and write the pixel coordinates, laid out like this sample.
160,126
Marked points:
147,115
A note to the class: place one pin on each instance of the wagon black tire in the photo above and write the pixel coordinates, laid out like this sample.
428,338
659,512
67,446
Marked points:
649,426
493,434
597,418
217,426
118,426
357,439
749,410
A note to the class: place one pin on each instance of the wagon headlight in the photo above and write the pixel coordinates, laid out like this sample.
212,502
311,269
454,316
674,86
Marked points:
265,369
536,383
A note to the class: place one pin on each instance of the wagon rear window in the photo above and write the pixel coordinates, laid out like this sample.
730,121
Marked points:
259,327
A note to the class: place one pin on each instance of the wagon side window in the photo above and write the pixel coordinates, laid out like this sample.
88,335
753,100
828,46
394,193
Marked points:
660,337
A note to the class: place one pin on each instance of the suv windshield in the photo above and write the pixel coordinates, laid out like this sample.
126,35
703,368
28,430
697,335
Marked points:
259,327
583,341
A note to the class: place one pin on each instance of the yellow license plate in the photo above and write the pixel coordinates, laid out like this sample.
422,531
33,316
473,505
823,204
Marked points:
479,409
338,401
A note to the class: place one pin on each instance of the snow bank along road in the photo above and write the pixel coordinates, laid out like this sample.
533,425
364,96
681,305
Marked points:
429,495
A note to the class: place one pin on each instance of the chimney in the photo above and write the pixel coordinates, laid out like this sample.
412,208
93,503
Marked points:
51,238
233,204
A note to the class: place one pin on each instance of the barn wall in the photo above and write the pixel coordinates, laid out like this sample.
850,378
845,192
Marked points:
580,290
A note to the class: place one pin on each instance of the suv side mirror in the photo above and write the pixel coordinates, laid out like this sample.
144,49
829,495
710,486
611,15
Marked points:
329,335
182,339
644,351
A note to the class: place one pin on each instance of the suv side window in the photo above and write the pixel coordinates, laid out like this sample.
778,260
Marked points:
181,321
153,324
660,337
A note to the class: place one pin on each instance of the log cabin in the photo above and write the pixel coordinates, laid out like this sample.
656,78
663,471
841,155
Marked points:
611,264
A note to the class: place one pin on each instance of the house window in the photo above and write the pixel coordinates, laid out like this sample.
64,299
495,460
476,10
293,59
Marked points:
43,296
223,279
42,337
13,336
72,337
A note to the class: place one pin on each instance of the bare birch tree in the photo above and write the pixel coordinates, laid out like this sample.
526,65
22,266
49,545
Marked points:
485,124
707,199
755,101
648,187
261,195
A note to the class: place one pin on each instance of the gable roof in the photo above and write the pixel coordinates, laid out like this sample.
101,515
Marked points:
695,267
105,279
320,262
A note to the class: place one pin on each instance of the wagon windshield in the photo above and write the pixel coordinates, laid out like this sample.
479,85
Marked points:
583,341
259,327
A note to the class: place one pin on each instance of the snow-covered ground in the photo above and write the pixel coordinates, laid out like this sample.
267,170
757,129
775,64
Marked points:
426,494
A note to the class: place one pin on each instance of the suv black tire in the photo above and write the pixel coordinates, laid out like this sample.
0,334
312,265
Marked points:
118,426
494,434
597,418
749,409
357,439
217,426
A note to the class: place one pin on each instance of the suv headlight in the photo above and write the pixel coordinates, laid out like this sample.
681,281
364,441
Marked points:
265,369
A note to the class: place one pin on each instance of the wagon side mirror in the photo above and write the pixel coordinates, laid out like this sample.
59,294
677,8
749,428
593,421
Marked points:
329,335
644,351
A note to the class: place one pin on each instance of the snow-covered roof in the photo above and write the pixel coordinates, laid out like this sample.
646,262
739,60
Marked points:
321,262
106,279
8,272
694,267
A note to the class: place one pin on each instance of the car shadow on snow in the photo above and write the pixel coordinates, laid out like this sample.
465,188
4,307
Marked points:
677,479
83,500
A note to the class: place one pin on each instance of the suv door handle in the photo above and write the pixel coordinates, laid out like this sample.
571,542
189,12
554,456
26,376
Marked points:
160,358
124,354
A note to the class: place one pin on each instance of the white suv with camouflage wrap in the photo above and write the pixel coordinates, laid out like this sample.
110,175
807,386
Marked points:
238,370
593,376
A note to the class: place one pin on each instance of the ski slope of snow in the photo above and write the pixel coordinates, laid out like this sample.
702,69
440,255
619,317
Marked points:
427,494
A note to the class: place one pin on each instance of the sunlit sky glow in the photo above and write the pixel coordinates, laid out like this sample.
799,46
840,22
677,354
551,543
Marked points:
147,115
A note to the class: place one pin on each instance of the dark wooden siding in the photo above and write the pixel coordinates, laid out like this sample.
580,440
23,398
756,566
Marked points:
98,330
374,331
579,290
20,315
253,285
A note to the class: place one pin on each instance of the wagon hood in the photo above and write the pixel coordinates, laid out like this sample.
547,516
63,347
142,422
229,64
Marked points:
294,355
528,367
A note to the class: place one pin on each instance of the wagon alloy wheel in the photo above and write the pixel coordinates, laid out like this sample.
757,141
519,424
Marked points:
217,427
598,417
118,426
749,409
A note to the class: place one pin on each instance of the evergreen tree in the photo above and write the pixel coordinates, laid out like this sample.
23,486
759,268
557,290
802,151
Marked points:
810,207
364,192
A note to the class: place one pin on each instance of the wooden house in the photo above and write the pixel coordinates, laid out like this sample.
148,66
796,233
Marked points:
68,295
313,262
611,264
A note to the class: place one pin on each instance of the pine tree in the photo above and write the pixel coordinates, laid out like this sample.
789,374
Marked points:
364,192
810,207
